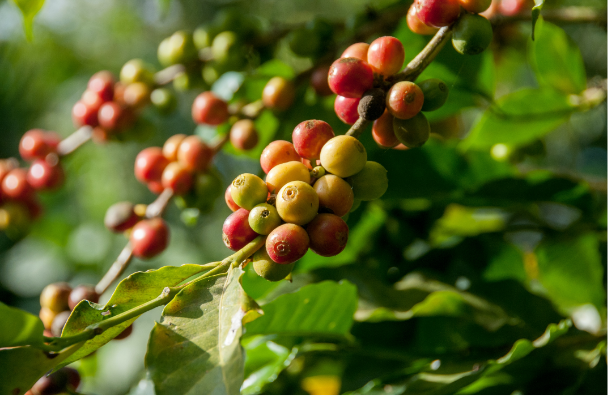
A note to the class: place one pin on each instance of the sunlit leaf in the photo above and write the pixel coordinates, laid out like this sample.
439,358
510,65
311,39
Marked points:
29,9
19,328
265,360
538,6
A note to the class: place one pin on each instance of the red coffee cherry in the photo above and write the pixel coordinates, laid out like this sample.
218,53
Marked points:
150,164
278,152
437,13
102,83
513,7
177,177
82,114
357,50
416,25
37,143
209,109
92,100
55,297
382,131
125,333
113,116
318,80
229,201
243,135
156,187
310,136
346,109
350,77
194,155
278,94
171,146
149,238
386,55
287,243
82,292
328,234
236,231
120,217
46,174
335,194
16,186
137,95
404,100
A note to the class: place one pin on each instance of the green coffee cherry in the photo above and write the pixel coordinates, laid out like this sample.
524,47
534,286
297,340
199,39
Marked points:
268,269
371,183
136,70
185,81
264,218
248,190
164,52
435,93
164,100
356,204
182,48
472,34
413,132
227,49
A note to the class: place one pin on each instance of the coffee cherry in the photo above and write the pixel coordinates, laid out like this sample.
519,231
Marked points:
136,70
150,164
149,238
113,116
264,218
181,48
268,269
350,77
227,50
437,13
92,100
47,316
82,292
59,322
371,183
82,114
328,234
171,146
347,109
386,55
155,187
277,152
203,35
310,136
164,100
35,144
248,190
357,50
475,6
119,93
61,381
435,94
356,205
194,155
382,131
177,178
287,243
46,174
236,231
416,25
16,186
125,333
413,132
297,202
343,156
209,109
318,81
55,297
472,34
372,104
285,173
7,165
120,217
513,7
278,94
335,194
229,201
137,95
243,135
404,100
102,83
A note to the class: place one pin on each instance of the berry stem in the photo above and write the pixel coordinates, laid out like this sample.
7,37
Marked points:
75,140
168,74
357,129
156,208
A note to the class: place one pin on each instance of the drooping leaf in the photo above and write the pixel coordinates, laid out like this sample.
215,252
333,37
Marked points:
195,348
265,360
18,328
29,9
538,6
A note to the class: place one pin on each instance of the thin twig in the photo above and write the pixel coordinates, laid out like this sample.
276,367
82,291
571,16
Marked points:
75,140
117,268
157,208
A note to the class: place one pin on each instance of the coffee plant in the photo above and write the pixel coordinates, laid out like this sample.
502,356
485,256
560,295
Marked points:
413,194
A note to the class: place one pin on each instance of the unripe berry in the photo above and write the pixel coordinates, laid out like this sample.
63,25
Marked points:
113,116
335,194
227,50
177,178
285,173
268,269
59,322
372,104
120,217
55,297
35,144
16,186
102,83
243,135
328,234
150,164
181,48
236,231
343,156
164,100
310,136
209,109
475,6
278,152
287,243
125,333
386,55
229,201
404,100
137,95
248,190
171,146
382,131
149,238
318,80
350,77
46,174
297,203
80,293
357,50
82,114
437,13
47,316
347,109
435,93
194,155
472,34
413,132
278,94
264,218
416,25
371,183
136,70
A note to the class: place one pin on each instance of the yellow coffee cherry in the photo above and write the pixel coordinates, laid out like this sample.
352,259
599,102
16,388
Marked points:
343,156
297,203
285,173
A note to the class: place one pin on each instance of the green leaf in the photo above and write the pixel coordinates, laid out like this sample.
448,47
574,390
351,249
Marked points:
538,5
195,348
18,328
460,221
135,290
265,360
274,68
29,9
557,60
322,309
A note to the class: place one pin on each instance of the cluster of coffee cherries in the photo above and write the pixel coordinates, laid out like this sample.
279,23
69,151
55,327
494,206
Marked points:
311,185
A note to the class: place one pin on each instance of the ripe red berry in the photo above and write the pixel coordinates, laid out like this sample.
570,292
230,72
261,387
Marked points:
156,187
346,109
236,231
37,143
92,100
120,217
102,83
287,243
150,164
357,50
113,116
46,174
382,131
310,136
82,292
404,100
82,114
172,145
209,109
229,201
177,177
149,238
437,13
318,80
328,234
278,152
350,77
386,55
243,135
193,154
416,25
278,94
16,186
